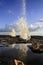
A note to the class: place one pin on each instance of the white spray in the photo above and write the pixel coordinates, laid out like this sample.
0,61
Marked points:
22,29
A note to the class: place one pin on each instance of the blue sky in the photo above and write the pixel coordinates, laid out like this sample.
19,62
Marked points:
10,11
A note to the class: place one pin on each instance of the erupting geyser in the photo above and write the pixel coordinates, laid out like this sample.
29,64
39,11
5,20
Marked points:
22,29
22,25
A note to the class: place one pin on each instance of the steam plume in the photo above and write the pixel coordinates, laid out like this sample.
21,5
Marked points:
23,8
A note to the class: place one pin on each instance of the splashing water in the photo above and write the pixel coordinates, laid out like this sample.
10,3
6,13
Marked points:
13,32
22,29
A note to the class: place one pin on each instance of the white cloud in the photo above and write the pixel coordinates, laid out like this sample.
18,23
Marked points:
31,25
